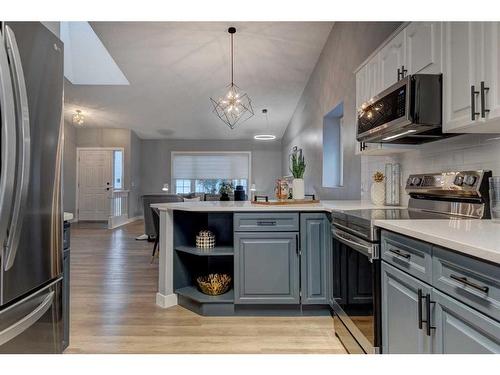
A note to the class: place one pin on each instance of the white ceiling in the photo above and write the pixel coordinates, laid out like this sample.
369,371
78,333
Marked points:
175,67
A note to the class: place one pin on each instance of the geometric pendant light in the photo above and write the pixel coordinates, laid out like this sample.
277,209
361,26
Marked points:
235,106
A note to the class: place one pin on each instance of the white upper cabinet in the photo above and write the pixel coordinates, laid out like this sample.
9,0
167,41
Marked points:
373,86
471,92
423,48
460,74
392,61
361,87
489,90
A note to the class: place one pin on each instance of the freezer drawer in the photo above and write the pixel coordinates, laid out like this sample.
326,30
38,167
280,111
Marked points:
34,324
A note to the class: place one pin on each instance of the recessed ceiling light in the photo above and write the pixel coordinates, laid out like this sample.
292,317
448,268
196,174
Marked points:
264,137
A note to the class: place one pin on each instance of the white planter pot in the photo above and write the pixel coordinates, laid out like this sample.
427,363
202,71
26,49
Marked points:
377,193
298,188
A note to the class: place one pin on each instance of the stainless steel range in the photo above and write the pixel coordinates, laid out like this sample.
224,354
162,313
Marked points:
356,243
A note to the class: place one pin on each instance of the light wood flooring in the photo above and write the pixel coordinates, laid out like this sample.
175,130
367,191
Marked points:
113,287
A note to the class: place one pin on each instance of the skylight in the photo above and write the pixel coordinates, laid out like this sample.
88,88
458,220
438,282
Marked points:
86,59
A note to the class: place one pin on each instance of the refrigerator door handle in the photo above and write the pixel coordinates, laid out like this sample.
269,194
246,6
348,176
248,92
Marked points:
8,144
27,321
23,162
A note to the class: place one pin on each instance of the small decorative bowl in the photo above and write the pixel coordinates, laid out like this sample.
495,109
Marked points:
205,240
214,284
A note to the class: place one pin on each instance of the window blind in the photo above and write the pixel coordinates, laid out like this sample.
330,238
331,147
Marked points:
210,165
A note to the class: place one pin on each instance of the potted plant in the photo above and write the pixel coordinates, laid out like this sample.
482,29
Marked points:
377,190
225,189
298,167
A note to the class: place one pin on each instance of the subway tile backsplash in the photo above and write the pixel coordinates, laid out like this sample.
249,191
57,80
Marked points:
471,151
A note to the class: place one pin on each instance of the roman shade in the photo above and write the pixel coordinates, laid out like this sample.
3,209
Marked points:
224,165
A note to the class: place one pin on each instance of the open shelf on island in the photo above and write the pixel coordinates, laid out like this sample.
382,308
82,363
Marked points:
215,251
193,293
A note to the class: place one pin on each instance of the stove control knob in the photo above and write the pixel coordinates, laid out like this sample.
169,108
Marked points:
459,180
470,180
416,181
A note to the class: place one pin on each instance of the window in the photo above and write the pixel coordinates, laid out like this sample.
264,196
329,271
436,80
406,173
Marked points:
204,172
118,169
332,147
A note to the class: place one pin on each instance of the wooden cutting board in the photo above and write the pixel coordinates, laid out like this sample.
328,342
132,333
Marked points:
287,202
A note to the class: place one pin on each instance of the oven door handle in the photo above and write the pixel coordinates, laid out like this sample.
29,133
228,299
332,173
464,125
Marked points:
370,251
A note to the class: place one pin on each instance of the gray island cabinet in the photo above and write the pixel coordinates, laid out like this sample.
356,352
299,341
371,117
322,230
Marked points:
280,262
437,301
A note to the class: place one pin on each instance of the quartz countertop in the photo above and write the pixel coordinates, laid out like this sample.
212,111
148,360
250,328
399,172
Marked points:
68,216
246,206
478,238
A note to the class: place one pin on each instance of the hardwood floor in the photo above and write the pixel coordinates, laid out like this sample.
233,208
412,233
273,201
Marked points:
113,287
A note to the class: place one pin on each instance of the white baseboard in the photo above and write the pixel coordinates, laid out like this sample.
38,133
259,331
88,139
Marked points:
128,221
166,301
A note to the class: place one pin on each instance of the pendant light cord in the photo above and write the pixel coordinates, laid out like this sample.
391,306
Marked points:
232,61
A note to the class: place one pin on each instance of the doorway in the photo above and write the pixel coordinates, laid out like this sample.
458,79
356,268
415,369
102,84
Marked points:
99,173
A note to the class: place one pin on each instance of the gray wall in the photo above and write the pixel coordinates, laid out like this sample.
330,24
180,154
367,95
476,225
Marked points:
332,82
155,160
101,137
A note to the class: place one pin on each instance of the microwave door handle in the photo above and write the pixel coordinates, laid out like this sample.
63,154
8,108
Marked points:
8,144
23,162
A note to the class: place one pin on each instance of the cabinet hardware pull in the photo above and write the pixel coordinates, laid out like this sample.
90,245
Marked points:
484,111
297,244
399,74
266,223
313,197
419,307
428,303
400,253
464,280
473,94
403,71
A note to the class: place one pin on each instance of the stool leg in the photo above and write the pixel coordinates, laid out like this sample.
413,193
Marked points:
154,251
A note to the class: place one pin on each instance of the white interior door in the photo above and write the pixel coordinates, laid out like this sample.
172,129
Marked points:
95,177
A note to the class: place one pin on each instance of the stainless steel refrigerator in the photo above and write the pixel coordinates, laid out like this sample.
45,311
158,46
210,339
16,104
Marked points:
31,223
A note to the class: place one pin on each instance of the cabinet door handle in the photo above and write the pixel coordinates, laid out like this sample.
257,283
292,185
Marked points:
464,280
400,253
266,223
399,74
473,94
297,244
483,90
419,307
403,71
428,303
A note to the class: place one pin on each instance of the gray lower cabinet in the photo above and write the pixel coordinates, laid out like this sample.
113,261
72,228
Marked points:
266,267
400,313
461,329
315,245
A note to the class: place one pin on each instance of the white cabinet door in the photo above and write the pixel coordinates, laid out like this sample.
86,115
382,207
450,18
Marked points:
423,48
461,43
361,87
491,77
392,58
373,77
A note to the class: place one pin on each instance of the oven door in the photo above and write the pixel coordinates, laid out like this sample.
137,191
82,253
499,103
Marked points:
356,284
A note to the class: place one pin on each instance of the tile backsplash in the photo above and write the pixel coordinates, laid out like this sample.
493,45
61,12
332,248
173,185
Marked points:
464,152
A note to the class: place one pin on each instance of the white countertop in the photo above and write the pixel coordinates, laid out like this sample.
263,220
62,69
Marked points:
246,206
478,238
68,216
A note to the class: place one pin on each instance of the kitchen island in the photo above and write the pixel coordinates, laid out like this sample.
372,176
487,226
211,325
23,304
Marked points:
298,234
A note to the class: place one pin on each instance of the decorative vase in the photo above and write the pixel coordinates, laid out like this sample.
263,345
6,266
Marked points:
377,193
298,188
224,197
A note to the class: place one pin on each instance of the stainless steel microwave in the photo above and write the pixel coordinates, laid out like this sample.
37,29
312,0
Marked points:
408,112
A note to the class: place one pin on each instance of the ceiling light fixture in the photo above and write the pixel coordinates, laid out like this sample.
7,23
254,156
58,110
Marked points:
265,137
78,118
235,106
